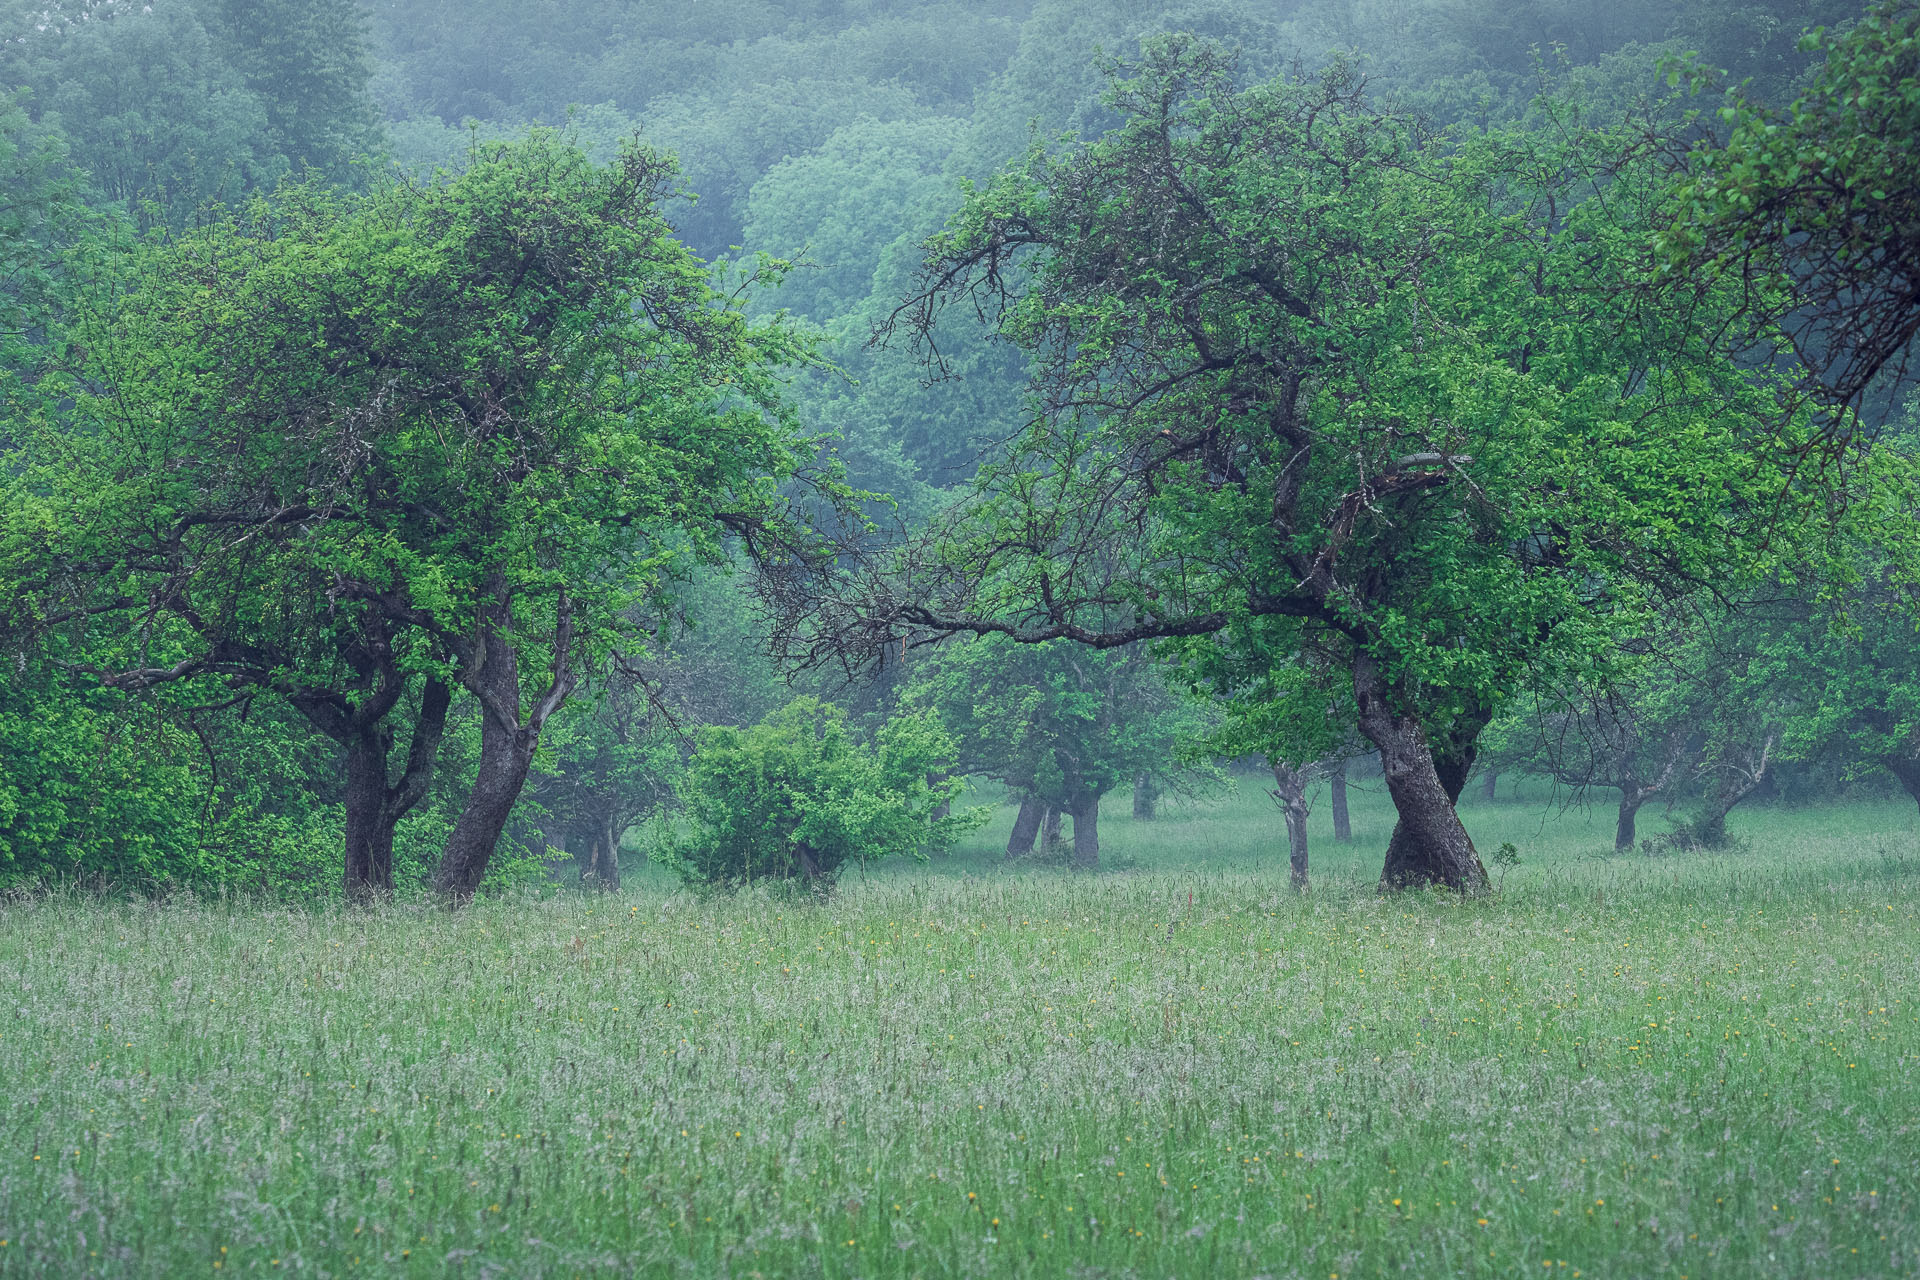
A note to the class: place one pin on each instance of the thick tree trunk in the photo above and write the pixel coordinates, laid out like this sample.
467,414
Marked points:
1026,825
374,808
1050,830
506,752
1086,833
1146,797
1490,785
490,669
1337,787
1290,789
1624,825
369,835
1429,845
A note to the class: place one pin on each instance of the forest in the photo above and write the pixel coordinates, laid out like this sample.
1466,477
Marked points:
511,512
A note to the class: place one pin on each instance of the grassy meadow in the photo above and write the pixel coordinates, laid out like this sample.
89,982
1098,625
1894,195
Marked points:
1690,1066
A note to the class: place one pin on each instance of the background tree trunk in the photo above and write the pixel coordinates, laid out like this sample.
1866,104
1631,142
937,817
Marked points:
1026,825
1146,797
1290,789
602,869
1709,828
1337,788
1625,824
1086,833
1429,845
1050,830
1490,785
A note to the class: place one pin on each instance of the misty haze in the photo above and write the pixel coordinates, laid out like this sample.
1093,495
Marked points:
1097,639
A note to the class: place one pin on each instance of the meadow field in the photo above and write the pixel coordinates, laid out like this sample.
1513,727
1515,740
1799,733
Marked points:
1688,1066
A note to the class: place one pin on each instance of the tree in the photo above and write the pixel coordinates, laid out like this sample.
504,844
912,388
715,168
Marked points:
1311,381
1827,193
1058,725
351,452
796,798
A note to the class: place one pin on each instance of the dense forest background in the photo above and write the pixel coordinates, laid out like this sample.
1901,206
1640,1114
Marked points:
836,136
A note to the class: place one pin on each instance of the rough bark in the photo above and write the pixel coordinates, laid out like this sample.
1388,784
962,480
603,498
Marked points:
1146,797
1429,845
1290,789
375,807
490,669
1026,825
1337,797
1086,833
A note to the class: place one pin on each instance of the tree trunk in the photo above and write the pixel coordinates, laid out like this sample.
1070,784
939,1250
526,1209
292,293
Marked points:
1337,786
374,808
369,843
1026,825
1625,824
490,669
506,752
1709,829
1050,830
945,808
602,868
1086,833
1429,845
1490,785
1907,771
1146,797
1290,789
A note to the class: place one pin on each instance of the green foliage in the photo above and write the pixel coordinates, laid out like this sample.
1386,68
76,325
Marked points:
1059,722
797,797
1825,191
171,105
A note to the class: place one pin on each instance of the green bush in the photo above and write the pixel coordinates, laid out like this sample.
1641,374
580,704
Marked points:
796,797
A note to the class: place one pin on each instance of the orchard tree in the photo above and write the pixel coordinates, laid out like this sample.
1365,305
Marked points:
358,452
1059,725
1825,191
1311,381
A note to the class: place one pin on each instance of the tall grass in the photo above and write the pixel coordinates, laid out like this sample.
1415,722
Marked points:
1692,1066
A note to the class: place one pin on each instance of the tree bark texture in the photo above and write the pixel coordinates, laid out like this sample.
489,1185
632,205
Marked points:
1337,797
375,806
490,669
1290,789
1429,845
1086,833
1026,825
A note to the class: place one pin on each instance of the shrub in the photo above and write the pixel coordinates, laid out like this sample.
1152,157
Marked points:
797,797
